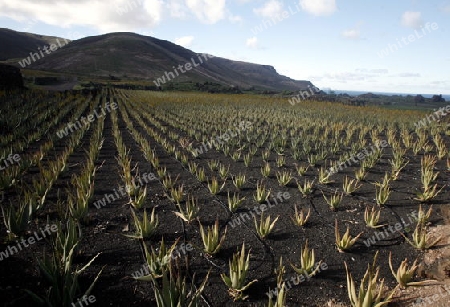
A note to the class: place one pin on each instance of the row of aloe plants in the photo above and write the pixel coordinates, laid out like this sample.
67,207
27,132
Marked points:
31,198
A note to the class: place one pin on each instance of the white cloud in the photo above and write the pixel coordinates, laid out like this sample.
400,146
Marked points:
177,8
360,74
373,71
252,42
185,41
113,16
443,82
235,19
207,11
154,9
345,76
121,15
318,7
270,9
352,34
408,75
412,19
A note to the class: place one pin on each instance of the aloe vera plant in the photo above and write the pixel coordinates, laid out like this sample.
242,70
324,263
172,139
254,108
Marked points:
307,188
404,274
16,221
145,228
174,291
265,169
372,217
345,242
239,181
280,301
138,200
234,202
349,186
214,187
211,238
299,217
190,211
176,194
238,270
157,261
371,292
308,265
265,226
421,239
334,201
261,194
58,271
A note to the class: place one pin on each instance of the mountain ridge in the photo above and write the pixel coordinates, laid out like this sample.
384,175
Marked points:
127,55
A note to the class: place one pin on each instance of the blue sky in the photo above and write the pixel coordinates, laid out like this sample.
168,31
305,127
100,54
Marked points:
382,46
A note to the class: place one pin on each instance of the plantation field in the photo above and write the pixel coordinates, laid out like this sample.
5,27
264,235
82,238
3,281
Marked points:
91,185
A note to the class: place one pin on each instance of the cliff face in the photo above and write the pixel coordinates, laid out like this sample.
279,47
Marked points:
10,77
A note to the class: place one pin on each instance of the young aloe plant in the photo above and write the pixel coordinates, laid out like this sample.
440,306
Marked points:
157,262
360,173
422,216
214,165
239,181
301,169
421,239
279,272
371,292
334,201
300,218
404,275
280,161
214,187
350,186
372,217
223,171
264,227
162,172
308,265
190,211
428,193
145,228
382,193
238,269
247,159
211,238
60,274
138,200
16,222
262,194
234,202
173,291
280,301
168,182
193,167
201,176
307,187
345,242
176,194
265,169
284,177
324,176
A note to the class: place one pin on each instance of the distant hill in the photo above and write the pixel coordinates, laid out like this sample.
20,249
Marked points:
126,55
17,45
